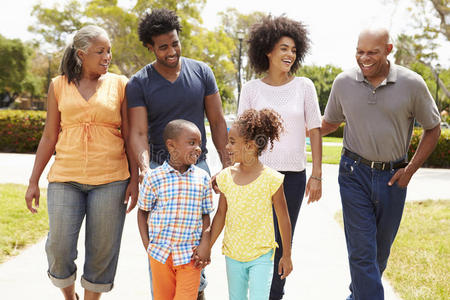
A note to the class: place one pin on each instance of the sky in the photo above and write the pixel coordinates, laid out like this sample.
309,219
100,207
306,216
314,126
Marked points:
333,25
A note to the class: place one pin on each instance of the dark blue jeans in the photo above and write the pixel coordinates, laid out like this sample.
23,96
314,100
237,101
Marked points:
294,188
372,213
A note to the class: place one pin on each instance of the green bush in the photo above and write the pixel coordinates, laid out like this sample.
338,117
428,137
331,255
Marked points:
21,130
440,157
339,132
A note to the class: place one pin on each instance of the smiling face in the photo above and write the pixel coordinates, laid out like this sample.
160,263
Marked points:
283,55
96,59
240,150
371,54
167,49
185,149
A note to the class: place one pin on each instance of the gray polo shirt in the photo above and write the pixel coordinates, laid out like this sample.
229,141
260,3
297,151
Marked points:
379,121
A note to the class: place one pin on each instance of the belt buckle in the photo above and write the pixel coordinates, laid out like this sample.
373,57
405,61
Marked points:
382,164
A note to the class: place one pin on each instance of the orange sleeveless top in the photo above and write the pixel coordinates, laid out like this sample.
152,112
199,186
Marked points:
90,147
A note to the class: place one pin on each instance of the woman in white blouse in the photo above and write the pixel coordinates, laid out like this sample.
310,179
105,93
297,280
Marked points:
277,46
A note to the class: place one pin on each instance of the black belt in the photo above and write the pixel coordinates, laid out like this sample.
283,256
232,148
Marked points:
378,165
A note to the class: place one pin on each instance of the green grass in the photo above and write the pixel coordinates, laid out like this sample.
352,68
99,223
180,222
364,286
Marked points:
419,264
18,227
330,154
331,139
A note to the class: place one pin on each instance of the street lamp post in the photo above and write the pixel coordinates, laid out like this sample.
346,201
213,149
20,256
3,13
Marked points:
240,36
437,85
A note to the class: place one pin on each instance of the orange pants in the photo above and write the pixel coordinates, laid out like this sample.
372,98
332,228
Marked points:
174,282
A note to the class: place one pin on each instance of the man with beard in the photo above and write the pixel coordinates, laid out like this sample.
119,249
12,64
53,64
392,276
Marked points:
379,102
172,87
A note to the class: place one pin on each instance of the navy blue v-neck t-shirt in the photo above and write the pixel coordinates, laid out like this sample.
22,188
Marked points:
166,101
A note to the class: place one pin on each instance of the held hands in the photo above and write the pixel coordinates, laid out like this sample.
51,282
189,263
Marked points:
314,189
214,184
285,266
33,192
402,177
201,255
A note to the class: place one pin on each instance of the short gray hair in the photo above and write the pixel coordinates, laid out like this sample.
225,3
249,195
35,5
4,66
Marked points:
71,64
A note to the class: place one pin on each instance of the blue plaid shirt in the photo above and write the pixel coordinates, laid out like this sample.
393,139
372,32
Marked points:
176,203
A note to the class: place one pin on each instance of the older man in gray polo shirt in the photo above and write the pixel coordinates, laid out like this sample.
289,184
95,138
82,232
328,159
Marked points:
379,102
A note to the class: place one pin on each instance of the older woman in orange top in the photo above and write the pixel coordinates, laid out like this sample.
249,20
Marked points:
91,176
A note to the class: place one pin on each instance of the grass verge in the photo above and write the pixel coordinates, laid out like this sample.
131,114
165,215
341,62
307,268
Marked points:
330,139
18,227
330,154
419,264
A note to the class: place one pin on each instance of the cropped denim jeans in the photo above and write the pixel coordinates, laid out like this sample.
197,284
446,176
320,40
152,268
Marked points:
102,205
372,212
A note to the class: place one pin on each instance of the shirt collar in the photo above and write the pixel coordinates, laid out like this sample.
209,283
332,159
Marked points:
392,75
169,169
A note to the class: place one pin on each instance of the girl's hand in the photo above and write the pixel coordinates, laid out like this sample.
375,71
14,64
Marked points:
313,189
202,256
131,192
33,192
284,266
214,184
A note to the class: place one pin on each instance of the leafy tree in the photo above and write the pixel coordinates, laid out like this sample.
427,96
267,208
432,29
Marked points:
412,54
13,64
323,78
129,55
431,19
233,22
54,25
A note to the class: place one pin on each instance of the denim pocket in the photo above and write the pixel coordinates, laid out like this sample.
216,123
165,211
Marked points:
346,167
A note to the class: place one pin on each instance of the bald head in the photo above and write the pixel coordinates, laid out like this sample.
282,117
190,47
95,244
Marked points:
371,54
380,35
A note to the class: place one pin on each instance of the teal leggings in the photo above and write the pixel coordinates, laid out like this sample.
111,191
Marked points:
250,280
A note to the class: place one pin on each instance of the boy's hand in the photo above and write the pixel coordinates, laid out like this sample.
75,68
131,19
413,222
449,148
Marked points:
285,266
202,256
214,184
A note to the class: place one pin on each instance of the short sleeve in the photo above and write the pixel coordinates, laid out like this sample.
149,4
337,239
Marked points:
333,111
425,109
210,81
207,201
135,93
312,109
275,181
221,180
244,99
147,194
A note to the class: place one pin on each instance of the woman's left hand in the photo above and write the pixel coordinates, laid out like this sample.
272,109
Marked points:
131,192
313,189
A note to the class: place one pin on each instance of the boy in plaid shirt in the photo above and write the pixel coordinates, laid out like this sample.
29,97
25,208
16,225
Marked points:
175,200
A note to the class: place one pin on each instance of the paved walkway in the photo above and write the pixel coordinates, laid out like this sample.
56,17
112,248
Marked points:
319,252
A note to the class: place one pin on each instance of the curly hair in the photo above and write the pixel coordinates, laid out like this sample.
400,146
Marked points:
264,35
261,126
158,22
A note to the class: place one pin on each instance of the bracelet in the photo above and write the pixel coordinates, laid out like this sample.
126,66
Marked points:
316,178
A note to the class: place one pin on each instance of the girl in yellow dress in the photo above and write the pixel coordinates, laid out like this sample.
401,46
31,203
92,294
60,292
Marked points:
248,191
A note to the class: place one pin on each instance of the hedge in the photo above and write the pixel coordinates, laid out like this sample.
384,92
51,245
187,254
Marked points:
339,132
21,130
439,158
